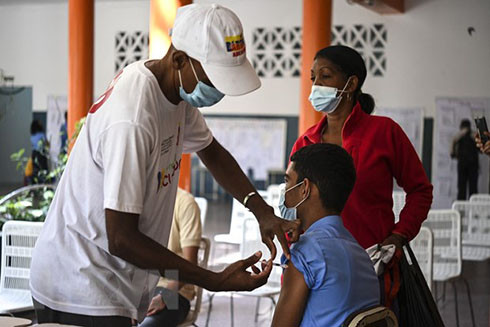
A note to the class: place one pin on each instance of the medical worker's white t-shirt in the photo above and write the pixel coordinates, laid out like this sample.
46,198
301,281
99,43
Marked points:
126,158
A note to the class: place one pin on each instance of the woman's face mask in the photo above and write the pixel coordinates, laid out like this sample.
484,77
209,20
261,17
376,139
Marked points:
203,94
289,213
324,98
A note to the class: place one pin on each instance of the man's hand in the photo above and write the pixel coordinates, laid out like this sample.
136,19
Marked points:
271,225
396,239
485,148
236,277
156,305
127,243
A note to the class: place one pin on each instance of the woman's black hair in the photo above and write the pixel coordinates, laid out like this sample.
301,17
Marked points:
350,62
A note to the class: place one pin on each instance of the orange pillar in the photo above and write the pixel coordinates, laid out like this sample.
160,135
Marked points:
162,16
317,26
80,60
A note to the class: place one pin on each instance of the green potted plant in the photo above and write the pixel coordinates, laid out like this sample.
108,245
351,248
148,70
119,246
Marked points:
31,203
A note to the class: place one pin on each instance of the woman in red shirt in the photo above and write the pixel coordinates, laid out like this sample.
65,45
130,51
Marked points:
380,149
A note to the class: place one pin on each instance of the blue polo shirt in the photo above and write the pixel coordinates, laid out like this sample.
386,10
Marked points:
338,272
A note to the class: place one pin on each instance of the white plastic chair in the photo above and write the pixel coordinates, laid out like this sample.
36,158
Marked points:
203,257
251,242
447,259
203,207
234,237
18,240
398,203
26,189
475,221
238,215
423,248
480,198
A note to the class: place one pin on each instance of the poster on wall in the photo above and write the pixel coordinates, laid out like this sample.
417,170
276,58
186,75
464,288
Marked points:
258,145
449,114
55,118
411,120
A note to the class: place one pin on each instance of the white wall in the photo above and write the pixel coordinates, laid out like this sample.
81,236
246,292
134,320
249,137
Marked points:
34,47
110,18
429,52
34,42
276,96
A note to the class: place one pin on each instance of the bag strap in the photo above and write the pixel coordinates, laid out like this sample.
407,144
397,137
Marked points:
391,287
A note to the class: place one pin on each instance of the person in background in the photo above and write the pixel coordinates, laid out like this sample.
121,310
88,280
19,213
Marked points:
185,238
39,159
464,149
329,275
381,152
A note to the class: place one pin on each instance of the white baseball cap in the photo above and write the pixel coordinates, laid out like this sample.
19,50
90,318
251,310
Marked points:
213,35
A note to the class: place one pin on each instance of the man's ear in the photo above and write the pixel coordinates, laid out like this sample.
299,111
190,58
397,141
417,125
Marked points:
179,59
307,187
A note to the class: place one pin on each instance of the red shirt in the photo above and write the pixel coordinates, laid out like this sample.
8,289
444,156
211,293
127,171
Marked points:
381,151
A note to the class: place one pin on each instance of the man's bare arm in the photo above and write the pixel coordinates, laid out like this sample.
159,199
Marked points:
292,301
190,254
128,243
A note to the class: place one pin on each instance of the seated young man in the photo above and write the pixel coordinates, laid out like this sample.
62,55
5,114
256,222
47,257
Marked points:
169,308
329,275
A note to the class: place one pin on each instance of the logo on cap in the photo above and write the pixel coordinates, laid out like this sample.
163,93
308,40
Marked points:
235,44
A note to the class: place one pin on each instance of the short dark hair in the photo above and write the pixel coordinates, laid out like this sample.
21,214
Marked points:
465,123
36,127
330,168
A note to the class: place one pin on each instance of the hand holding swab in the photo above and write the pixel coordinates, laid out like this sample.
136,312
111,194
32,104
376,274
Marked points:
276,264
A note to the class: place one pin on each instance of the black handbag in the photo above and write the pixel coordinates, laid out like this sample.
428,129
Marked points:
416,304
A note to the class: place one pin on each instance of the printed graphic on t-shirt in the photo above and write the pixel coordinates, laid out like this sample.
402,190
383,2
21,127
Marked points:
166,176
103,98
166,145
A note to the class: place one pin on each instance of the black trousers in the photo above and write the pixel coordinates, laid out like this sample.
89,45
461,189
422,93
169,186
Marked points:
48,315
173,314
467,176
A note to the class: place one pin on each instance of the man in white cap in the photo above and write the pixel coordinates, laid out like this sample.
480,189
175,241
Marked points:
102,248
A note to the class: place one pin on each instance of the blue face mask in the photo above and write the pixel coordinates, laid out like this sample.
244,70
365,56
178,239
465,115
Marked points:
203,94
289,213
324,98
